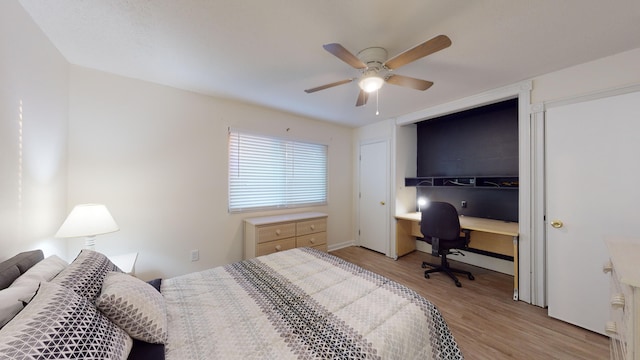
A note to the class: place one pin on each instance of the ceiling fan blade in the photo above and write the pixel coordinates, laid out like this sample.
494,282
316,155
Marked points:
409,82
318,88
419,51
343,54
363,96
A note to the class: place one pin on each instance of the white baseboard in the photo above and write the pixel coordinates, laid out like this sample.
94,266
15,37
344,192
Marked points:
345,244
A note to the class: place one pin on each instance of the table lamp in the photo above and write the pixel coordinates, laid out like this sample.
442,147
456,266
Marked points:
87,220
421,203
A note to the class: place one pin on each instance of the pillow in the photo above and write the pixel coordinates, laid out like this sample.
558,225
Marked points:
43,271
8,276
145,351
135,306
17,265
11,301
85,274
59,324
156,283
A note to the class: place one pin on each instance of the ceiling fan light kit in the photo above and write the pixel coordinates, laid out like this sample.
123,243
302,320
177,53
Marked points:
370,83
376,68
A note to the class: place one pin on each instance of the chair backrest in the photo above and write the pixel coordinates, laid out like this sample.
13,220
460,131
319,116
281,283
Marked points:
440,220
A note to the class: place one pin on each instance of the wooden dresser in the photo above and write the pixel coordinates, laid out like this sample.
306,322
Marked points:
268,234
624,326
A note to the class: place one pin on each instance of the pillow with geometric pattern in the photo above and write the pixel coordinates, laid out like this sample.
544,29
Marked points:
60,324
85,274
135,306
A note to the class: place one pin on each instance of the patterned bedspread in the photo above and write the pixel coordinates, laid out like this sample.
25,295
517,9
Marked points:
300,304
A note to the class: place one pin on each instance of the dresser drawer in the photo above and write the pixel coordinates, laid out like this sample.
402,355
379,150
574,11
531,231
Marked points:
311,240
624,325
322,247
311,226
275,246
267,234
275,232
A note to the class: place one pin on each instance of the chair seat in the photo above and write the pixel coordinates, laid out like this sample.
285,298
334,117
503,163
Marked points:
450,244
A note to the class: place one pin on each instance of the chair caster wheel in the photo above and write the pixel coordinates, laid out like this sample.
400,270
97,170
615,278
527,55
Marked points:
426,276
424,266
471,277
458,284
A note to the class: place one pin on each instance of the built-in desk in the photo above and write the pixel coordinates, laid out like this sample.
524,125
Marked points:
492,236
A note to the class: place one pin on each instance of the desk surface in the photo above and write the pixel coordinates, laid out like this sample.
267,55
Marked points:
474,223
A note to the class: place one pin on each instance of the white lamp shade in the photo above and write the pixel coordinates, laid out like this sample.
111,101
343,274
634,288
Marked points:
87,220
371,83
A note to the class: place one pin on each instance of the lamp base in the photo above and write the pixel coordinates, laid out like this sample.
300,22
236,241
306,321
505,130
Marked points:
90,242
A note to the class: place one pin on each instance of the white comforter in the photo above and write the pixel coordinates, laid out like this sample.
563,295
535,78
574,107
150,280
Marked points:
300,304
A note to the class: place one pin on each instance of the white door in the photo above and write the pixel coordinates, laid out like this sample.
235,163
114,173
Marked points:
593,192
373,196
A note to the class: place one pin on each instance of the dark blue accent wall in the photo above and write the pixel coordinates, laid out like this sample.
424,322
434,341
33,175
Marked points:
477,142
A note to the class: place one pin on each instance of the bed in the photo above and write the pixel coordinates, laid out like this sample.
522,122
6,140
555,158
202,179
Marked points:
296,304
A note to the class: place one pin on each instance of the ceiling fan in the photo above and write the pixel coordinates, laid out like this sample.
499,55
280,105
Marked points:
376,69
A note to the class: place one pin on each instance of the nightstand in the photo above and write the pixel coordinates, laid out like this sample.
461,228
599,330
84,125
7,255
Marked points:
125,262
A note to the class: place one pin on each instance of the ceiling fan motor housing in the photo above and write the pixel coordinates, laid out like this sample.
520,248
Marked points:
374,57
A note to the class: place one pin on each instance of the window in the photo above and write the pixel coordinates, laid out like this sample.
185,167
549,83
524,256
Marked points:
272,173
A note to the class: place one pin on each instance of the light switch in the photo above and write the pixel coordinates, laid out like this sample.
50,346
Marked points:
195,255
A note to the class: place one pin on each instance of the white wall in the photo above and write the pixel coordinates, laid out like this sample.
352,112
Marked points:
32,138
157,157
604,74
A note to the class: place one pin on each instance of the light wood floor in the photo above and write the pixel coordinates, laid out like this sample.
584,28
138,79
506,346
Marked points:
485,321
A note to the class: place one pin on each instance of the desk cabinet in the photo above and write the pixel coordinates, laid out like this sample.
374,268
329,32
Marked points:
269,234
490,182
624,326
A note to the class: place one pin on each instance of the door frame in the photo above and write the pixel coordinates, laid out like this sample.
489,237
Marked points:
529,201
390,244
538,114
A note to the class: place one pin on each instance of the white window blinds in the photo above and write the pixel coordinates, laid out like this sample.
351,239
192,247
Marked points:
269,173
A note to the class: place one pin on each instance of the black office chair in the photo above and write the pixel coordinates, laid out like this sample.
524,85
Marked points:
440,226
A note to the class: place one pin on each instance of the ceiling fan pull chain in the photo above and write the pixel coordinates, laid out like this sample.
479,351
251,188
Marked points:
377,112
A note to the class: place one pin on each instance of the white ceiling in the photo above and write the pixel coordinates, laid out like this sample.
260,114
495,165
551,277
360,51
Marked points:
267,52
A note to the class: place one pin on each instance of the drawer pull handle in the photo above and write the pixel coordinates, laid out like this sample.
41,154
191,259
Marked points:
617,301
611,328
278,232
313,227
278,247
607,267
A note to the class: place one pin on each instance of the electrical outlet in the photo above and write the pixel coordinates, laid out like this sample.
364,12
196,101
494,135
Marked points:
195,255
463,204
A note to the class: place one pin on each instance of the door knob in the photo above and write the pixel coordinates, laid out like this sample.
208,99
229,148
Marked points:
556,224
381,202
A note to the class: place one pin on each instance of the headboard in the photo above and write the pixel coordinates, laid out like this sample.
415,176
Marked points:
11,268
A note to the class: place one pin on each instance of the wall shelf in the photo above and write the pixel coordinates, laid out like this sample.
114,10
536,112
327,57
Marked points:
480,182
